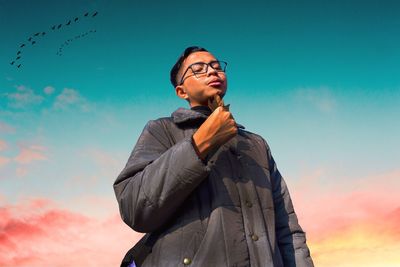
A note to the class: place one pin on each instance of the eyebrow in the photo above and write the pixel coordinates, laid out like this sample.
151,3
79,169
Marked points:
203,62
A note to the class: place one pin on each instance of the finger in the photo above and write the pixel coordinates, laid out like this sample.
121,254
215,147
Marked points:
212,103
220,103
219,100
226,107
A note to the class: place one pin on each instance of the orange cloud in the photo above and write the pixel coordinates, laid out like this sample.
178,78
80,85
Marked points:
351,227
370,243
30,153
38,233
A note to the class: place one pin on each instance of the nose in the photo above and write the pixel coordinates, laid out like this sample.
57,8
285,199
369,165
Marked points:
211,70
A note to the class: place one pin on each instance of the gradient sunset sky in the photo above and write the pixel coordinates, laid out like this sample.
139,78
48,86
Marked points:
319,80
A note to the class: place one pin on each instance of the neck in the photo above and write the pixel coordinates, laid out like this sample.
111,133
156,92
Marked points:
202,109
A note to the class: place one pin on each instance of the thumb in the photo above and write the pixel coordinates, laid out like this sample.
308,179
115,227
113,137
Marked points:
216,101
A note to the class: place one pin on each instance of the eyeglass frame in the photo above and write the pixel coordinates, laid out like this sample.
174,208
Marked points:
208,65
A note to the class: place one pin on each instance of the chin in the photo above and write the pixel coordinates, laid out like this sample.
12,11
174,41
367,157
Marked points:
222,92
219,90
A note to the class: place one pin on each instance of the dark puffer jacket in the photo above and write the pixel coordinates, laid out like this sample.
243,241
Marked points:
232,210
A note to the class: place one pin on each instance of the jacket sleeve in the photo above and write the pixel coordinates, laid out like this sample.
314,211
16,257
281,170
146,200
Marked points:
157,178
290,236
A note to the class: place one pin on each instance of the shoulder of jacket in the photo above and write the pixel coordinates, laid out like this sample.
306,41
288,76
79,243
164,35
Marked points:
160,129
160,122
256,137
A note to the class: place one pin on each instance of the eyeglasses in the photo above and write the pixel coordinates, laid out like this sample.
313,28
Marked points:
202,67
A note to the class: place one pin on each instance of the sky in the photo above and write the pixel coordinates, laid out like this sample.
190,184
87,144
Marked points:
319,80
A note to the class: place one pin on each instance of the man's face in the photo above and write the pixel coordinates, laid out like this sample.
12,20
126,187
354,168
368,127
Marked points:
200,87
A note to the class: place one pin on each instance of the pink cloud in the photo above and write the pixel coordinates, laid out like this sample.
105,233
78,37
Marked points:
341,219
4,161
30,154
366,243
320,206
3,145
38,233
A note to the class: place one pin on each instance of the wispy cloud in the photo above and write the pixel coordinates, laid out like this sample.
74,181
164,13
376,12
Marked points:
23,97
48,90
30,153
102,165
70,98
39,233
25,154
321,98
103,158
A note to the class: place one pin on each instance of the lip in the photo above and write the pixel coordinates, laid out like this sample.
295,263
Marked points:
215,83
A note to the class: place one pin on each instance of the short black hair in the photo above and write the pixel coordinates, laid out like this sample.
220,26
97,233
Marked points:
175,69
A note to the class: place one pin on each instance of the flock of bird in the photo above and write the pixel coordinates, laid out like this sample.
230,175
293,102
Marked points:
68,41
33,38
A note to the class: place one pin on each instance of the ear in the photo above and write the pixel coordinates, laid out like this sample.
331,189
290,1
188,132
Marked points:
180,91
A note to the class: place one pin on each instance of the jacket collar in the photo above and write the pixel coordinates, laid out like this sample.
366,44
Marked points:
182,115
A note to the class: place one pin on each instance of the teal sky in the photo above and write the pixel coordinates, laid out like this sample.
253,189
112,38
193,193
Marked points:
319,80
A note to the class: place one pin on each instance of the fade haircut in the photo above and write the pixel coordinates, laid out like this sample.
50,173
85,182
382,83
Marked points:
175,69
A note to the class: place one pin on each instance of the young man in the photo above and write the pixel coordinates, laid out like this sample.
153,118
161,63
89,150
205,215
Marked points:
207,192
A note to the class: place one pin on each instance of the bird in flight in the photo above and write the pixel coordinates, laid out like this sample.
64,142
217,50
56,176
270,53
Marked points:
36,34
86,14
59,26
12,63
95,13
17,58
75,19
69,22
54,27
19,52
22,45
19,65
33,42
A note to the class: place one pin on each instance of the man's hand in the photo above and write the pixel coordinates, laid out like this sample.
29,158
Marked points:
219,128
